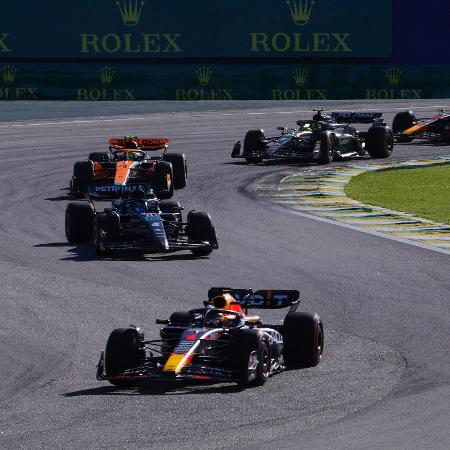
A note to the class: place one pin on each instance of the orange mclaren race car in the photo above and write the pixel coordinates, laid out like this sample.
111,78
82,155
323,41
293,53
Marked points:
130,161
220,342
434,130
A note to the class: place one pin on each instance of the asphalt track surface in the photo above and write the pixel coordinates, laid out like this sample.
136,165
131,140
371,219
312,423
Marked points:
384,379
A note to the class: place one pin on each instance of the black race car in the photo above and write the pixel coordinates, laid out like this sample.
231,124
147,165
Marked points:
219,342
321,139
139,223
434,130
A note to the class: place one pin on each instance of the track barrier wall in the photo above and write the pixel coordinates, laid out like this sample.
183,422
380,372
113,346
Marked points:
225,50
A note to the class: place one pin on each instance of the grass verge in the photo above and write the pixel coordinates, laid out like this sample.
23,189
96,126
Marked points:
424,192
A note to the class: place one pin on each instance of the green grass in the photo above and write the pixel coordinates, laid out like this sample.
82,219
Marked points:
424,192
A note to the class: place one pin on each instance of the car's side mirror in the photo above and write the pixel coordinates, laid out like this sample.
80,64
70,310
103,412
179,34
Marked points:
236,150
162,321
282,129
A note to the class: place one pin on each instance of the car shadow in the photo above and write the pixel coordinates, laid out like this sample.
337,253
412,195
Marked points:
82,253
146,388
273,162
60,198
53,244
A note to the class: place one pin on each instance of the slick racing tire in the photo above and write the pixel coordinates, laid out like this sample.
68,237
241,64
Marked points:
106,227
83,172
326,148
251,358
303,340
254,145
164,180
123,351
99,157
402,121
200,228
79,221
379,142
178,161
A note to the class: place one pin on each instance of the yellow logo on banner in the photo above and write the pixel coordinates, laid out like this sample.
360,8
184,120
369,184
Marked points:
106,75
203,74
300,76
130,10
9,74
300,10
395,91
393,76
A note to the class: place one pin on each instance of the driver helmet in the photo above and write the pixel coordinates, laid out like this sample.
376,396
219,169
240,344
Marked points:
131,144
139,207
214,320
133,156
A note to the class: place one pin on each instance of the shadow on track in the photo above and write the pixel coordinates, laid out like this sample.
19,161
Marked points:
83,253
158,389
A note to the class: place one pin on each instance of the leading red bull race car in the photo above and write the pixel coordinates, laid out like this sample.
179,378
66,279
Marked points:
434,130
132,160
220,342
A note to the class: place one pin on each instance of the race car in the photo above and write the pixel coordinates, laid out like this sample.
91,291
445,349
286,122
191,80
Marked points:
321,139
136,220
434,130
129,161
220,342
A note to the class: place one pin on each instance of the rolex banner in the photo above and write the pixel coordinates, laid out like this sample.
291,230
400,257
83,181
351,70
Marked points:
115,82
196,29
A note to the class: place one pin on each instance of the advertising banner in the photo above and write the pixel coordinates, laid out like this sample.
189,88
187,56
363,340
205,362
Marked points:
191,82
143,29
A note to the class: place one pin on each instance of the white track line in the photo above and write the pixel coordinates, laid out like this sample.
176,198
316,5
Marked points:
150,116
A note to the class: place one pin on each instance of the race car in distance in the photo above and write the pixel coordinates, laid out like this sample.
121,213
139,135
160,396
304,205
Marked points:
220,342
138,221
434,130
321,139
129,161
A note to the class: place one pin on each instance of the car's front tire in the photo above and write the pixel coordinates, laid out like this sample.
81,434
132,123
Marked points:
123,351
303,340
251,358
379,142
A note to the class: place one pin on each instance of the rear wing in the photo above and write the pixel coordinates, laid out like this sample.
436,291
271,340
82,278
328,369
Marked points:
262,299
355,117
142,143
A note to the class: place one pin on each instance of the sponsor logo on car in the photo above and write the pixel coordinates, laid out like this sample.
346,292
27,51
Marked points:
119,188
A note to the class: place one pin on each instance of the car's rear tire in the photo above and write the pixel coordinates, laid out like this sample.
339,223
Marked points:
164,180
123,351
201,228
379,142
254,145
99,157
303,340
326,148
178,161
79,220
402,121
83,172
251,358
